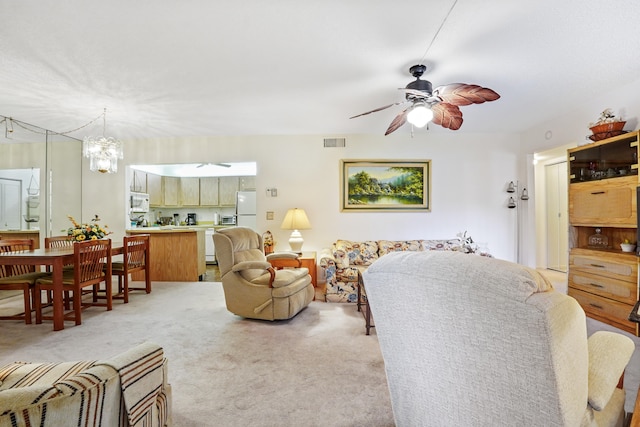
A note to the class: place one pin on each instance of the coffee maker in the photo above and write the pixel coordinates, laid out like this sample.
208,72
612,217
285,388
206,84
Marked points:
191,219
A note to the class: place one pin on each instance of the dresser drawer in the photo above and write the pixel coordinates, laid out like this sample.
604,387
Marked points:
615,266
619,290
605,310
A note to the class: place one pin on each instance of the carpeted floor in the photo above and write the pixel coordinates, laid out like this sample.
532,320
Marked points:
317,369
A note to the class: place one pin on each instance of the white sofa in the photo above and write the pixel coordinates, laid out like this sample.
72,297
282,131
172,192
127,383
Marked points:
476,341
127,390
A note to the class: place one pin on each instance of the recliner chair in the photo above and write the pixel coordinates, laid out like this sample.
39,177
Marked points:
252,287
476,341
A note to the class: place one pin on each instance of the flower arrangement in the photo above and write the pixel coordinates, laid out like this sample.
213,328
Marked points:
267,240
81,232
466,243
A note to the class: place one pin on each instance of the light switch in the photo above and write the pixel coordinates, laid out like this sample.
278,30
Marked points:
270,215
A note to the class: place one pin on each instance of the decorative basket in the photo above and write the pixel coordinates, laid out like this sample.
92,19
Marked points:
606,130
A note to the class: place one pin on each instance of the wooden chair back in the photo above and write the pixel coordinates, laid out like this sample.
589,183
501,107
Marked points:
135,252
15,245
58,242
92,261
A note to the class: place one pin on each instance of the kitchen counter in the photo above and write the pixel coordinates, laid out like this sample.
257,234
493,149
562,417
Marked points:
176,254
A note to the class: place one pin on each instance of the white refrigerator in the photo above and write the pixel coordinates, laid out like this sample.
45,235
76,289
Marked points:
246,209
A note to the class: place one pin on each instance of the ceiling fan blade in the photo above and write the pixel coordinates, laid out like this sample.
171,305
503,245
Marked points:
378,109
447,115
398,121
465,94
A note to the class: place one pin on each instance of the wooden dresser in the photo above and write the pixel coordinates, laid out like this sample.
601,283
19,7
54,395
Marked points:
603,178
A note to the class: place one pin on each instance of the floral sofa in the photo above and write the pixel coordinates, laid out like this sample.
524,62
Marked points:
346,260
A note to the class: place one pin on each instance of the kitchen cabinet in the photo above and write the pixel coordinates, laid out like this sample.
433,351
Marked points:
170,188
603,178
138,182
168,191
189,191
209,191
228,187
154,188
247,183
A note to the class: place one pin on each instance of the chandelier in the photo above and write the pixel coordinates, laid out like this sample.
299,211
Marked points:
103,153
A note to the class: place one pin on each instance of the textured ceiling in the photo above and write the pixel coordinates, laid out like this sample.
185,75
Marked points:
255,67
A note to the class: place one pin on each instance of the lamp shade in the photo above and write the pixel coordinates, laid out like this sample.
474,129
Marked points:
295,219
420,115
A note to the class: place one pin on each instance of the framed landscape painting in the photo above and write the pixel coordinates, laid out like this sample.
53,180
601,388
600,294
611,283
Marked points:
385,185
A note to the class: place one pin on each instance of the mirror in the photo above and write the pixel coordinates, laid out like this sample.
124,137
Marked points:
54,162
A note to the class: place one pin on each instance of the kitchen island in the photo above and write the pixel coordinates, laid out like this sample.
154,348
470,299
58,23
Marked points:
175,254
22,234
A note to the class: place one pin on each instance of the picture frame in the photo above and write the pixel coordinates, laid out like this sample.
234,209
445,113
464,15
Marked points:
385,185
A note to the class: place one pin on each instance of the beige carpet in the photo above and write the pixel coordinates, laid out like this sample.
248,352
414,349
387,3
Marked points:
317,369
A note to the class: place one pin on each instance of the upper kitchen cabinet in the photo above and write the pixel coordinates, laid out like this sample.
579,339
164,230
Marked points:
209,195
170,188
154,188
247,183
190,191
229,186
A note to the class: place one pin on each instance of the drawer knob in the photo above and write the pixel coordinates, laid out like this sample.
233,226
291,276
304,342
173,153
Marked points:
597,265
596,306
595,285
598,192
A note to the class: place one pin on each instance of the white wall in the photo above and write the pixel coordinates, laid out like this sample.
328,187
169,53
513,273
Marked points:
469,177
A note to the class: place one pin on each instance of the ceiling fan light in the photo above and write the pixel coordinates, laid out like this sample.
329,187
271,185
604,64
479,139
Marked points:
420,115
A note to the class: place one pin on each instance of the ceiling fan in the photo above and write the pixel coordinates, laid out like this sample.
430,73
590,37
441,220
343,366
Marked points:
439,105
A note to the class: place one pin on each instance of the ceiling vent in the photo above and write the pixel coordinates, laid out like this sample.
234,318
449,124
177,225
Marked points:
335,142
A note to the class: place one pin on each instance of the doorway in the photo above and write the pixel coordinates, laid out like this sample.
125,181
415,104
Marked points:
557,224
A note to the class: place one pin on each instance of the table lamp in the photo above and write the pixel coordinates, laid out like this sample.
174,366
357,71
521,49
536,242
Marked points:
296,219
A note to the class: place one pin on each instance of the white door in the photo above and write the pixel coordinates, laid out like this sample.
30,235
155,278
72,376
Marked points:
10,204
557,216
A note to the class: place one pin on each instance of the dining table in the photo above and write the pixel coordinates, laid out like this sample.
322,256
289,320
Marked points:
56,258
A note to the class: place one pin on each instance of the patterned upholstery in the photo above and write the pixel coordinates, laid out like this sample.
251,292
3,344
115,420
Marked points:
346,259
127,390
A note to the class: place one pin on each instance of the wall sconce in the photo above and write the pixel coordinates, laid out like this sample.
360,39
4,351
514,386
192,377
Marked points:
512,187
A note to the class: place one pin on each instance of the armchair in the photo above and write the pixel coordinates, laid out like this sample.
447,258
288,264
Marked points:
480,341
252,287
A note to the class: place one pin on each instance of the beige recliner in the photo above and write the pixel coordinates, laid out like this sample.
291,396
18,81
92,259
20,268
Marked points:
252,287
476,341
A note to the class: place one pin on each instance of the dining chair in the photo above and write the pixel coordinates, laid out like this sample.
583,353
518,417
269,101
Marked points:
92,266
135,257
19,277
64,241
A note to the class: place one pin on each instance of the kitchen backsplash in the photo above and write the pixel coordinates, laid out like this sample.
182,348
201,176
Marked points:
203,215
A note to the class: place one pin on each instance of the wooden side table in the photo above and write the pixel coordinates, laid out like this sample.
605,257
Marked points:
307,259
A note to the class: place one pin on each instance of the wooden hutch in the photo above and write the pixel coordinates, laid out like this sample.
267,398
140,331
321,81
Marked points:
603,182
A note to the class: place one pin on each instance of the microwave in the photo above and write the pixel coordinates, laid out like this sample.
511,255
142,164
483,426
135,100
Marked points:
139,202
228,220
